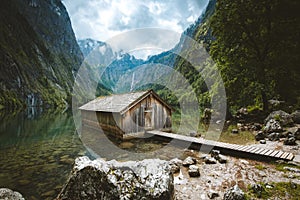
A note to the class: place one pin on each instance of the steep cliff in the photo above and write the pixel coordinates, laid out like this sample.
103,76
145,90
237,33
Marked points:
39,55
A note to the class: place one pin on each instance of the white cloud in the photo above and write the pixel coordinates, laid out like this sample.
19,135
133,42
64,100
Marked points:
103,19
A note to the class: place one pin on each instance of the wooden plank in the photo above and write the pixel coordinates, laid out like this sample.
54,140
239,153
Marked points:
254,150
279,154
264,151
284,155
268,152
258,150
290,157
243,148
274,153
249,149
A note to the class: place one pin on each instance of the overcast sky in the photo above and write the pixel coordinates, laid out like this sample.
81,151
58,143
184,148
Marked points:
103,19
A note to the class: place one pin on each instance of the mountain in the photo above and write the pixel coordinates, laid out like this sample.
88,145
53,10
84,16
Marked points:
123,73
110,65
39,55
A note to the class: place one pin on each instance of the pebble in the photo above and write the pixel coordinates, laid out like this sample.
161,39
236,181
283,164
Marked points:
262,141
212,194
189,161
194,171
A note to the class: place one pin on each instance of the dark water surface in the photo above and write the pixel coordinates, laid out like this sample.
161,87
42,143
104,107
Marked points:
37,151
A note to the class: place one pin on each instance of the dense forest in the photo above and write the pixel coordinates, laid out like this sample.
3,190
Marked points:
255,47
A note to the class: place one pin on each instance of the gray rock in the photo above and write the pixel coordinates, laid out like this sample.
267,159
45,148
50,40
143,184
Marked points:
290,141
175,165
262,141
274,136
296,116
281,116
212,194
210,160
272,126
293,185
98,179
257,189
256,127
189,161
292,169
214,153
234,193
234,131
194,171
260,136
8,194
194,134
296,132
222,159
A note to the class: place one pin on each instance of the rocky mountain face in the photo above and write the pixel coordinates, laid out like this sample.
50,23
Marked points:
39,55
122,72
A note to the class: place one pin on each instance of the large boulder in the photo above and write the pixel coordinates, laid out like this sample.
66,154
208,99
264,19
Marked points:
296,116
108,180
234,193
281,116
272,126
8,194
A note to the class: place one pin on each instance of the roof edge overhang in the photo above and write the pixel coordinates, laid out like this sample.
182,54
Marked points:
148,93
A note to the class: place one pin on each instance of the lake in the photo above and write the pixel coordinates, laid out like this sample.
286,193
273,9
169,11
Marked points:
38,149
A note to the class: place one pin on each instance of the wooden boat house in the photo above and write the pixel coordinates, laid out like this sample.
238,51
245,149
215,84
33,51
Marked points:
127,115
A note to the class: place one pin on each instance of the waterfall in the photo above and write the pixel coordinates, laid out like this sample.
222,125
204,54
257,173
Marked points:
132,83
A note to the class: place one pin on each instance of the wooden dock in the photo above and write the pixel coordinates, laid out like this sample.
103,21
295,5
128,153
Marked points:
226,148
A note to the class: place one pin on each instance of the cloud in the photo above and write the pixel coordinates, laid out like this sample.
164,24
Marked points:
104,19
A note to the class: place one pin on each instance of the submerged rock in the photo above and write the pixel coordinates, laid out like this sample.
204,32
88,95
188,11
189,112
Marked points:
234,193
98,179
8,194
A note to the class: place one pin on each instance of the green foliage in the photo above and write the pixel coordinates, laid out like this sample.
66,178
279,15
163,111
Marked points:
255,48
281,190
260,167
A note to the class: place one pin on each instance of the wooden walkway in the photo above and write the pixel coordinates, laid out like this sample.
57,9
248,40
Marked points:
226,148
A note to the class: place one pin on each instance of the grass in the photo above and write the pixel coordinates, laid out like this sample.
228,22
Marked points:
260,167
283,190
185,125
243,137
280,167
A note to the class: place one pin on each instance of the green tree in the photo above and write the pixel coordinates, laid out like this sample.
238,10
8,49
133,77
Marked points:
256,49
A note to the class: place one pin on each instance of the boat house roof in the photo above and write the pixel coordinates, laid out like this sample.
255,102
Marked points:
119,103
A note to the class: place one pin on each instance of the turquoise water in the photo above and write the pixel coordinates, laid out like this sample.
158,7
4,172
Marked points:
37,151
